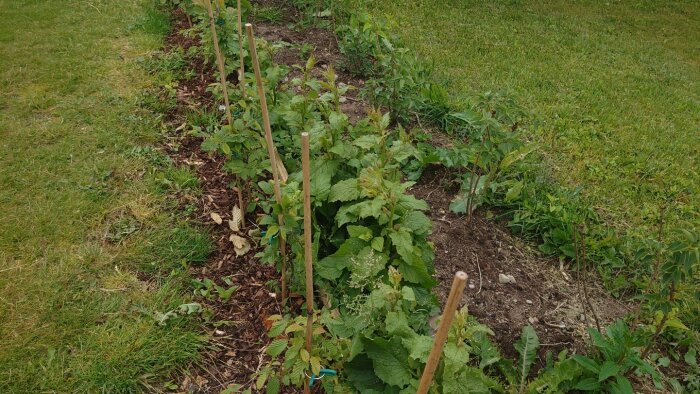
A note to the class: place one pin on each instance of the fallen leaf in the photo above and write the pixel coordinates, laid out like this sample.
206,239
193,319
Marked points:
216,218
240,244
236,219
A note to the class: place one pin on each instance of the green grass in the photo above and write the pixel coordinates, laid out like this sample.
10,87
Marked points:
85,206
612,89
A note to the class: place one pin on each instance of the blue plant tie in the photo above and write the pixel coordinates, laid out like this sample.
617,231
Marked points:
269,241
321,374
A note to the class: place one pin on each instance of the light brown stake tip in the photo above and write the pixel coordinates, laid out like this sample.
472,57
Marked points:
461,275
248,25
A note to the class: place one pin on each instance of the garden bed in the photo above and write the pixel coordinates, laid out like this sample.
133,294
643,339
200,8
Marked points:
543,295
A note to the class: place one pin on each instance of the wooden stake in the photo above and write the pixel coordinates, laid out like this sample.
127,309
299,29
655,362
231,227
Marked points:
271,151
219,61
241,72
306,174
448,314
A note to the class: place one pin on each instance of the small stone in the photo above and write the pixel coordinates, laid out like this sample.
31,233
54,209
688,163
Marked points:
219,332
582,317
471,286
504,279
528,301
533,320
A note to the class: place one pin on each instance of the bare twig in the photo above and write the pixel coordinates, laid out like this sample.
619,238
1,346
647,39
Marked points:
479,268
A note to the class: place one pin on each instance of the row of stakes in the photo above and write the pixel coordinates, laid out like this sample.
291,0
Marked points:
460,277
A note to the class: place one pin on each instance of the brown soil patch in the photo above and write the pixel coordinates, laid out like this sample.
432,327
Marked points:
543,295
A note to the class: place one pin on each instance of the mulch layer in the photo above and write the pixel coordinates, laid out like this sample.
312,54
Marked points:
543,295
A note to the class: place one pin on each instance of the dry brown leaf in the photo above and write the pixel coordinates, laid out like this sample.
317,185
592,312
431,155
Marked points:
240,244
236,219
281,170
216,218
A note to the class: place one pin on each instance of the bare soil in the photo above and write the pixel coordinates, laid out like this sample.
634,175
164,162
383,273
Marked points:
545,294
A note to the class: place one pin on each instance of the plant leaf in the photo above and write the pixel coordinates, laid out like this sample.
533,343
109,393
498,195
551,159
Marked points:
527,347
390,360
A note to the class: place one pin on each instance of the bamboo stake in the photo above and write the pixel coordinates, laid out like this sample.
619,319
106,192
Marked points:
241,72
222,78
270,151
306,174
455,293
219,61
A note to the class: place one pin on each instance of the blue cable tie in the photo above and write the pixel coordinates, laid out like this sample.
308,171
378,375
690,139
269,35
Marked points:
322,373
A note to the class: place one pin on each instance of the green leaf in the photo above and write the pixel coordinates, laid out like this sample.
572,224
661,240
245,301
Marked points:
419,346
621,386
458,378
549,381
607,370
343,191
367,141
378,244
588,384
360,210
527,347
403,242
587,363
690,358
331,267
408,202
390,360
515,156
417,222
321,173
273,385
360,373
276,347
361,232
459,204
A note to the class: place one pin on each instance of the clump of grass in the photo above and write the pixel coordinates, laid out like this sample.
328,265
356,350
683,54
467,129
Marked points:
267,14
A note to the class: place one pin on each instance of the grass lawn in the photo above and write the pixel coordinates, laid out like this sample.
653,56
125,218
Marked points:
612,89
84,206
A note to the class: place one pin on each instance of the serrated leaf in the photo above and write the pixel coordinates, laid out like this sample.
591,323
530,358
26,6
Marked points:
360,210
236,219
304,355
403,242
408,202
390,360
273,385
343,191
458,378
321,173
361,232
417,222
315,365
331,267
294,327
366,141
276,347
378,244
